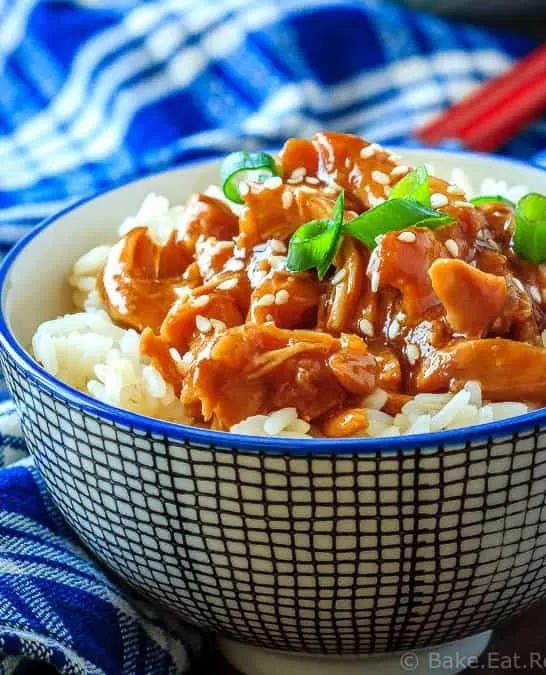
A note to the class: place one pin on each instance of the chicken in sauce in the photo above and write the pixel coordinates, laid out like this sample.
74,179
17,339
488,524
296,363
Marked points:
426,309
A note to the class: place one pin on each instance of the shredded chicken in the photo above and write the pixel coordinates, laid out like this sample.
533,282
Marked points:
236,334
254,369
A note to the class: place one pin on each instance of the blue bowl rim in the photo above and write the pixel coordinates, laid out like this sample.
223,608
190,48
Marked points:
227,440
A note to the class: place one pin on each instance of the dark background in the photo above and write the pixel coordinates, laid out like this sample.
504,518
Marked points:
535,28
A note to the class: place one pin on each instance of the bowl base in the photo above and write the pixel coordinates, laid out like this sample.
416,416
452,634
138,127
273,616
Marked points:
446,659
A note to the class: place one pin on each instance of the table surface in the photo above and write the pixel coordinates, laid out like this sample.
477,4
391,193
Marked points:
514,640
510,651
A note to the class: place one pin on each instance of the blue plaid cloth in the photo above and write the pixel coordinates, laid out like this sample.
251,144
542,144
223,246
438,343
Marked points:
95,92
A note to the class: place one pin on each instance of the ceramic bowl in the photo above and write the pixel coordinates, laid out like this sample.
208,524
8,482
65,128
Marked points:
324,547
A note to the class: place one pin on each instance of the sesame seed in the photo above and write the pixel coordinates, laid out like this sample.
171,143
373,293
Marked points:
257,279
175,355
187,359
366,327
203,324
375,279
266,300
338,276
400,170
463,205
408,237
298,173
312,180
244,189
394,330
282,297
535,294
217,324
330,191
454,190
308,190
234,265
438,200
272,183
294,181
287,199
518,283
369,151
380,177
227,285
452,247
377,200
413,353
277,246
201,301
394,157
277,262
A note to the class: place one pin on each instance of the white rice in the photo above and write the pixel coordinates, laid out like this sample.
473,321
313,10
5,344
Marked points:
89,352
283,422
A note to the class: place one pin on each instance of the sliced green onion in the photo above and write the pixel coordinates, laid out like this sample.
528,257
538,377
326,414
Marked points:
415,185
530,231
393,215
239,167
314,244
489,199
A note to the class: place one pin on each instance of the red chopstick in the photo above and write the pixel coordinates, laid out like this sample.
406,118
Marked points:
494,113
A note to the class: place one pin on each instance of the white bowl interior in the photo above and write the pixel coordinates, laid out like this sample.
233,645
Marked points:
36,287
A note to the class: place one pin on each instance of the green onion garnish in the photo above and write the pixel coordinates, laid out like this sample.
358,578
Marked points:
530,231
393,215
491,199
314,244
245,166
415,185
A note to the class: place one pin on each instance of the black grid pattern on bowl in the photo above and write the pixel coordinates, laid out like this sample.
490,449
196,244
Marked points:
340,555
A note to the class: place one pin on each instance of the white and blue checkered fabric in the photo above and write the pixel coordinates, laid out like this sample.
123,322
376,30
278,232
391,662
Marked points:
93,92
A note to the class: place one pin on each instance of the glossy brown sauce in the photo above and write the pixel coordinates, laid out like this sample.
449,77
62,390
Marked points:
424,312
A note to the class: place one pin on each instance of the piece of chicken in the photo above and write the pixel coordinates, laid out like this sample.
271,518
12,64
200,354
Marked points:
142,277
472,299
276,213
198,312
255,369
507,370
206,216
140,281
339,303
289,300
404,265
